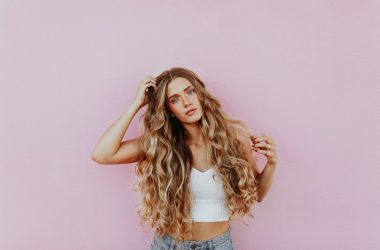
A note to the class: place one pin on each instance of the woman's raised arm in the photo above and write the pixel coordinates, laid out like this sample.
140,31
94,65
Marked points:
110,149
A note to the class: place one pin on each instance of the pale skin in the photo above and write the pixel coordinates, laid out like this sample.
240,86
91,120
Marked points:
181,97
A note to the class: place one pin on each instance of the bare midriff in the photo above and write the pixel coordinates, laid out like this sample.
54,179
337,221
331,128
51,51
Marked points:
207,230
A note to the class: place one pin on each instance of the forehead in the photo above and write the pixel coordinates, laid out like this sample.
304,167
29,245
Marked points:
177,86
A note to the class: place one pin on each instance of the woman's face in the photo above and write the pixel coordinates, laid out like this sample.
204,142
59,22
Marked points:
181,98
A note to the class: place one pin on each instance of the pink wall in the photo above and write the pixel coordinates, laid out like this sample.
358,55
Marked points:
304,72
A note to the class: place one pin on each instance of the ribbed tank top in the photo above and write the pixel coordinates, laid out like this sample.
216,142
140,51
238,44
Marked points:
208,196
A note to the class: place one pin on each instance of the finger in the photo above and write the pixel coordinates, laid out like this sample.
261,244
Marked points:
264,144
265,152
271,149
152,80
145,82
265,136
259,139
270,140
255,136
264,149
260,144
262,140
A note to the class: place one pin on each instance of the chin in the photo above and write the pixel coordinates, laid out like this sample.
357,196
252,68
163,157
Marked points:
197,117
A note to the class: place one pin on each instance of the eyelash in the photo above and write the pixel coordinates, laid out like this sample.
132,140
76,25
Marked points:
191,90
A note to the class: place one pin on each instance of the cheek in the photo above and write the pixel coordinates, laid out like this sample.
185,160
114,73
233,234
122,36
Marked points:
198,101
173,108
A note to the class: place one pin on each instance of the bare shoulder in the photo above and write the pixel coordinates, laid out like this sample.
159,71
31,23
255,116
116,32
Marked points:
241,132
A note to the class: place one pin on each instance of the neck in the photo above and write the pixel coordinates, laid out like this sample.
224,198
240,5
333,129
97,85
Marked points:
196,137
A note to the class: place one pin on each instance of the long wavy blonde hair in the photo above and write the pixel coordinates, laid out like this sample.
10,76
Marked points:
163,174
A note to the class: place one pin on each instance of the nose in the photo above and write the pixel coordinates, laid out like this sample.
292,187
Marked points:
186,102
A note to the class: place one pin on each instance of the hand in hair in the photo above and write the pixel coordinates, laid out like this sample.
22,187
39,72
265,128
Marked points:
143,87
264,144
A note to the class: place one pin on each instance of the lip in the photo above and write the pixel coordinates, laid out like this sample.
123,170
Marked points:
191,111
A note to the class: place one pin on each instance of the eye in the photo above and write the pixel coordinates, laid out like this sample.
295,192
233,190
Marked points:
174,101
191,91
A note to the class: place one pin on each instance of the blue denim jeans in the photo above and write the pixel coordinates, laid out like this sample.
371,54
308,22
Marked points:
166,242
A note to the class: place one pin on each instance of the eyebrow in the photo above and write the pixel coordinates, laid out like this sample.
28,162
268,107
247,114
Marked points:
183,91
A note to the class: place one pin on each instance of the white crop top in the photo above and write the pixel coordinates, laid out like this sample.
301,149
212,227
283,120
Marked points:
208,196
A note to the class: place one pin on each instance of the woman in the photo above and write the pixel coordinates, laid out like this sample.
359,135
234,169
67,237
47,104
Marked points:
195,164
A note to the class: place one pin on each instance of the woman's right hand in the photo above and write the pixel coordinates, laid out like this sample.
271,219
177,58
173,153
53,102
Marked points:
142,90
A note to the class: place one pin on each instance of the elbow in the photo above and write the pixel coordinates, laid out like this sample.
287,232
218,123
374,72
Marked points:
259,197
97,159
94,157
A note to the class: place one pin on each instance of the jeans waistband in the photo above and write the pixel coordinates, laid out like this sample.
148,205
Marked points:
188,244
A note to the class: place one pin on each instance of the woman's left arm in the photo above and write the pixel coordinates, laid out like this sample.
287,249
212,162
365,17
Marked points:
264,144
